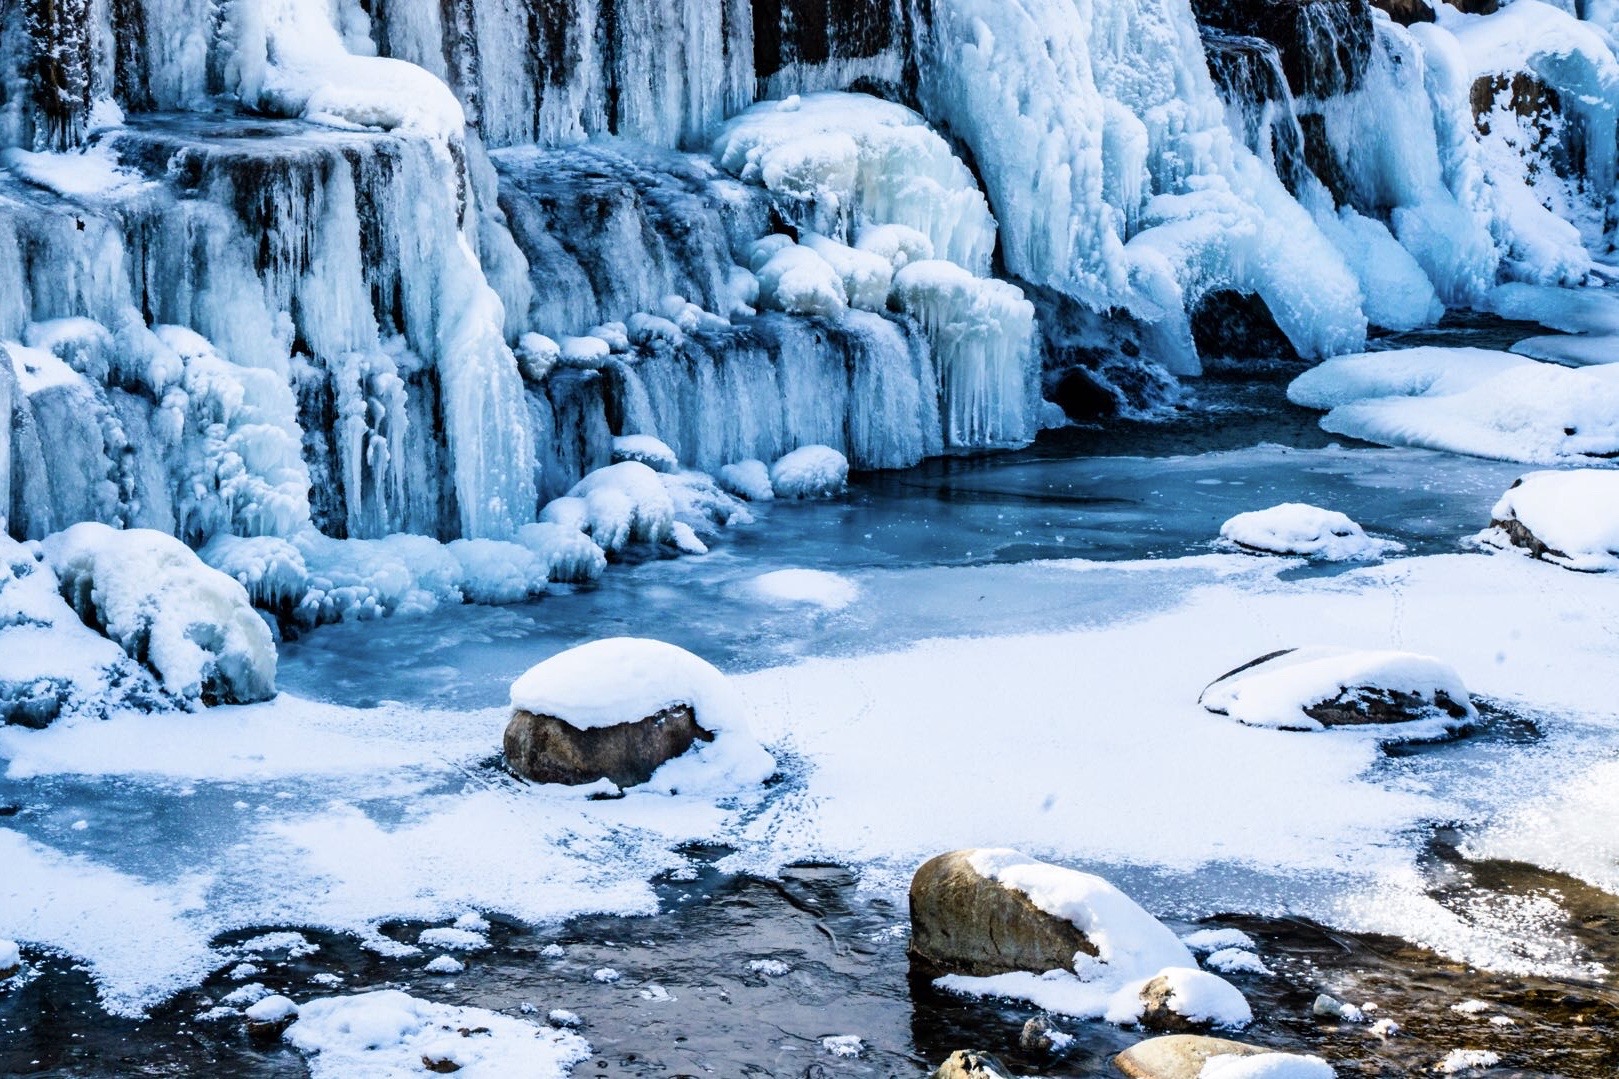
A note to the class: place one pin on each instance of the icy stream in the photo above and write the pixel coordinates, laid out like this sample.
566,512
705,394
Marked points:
999,649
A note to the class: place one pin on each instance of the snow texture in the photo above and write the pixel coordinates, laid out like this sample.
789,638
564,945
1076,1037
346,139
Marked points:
1460,1061
816,588
748,479
390,1034
1276,692
1266,1066
1294,528
626,679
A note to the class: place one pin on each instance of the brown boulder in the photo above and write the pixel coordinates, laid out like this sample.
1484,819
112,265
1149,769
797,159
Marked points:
965,923
551,750
1178,1056
1156,1013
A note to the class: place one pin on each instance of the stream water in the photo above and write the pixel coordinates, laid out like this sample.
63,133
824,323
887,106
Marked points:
1126,492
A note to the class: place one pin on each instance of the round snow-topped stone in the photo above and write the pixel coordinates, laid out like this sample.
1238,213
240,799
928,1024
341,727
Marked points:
1297,528
650,451
1567,517
623,709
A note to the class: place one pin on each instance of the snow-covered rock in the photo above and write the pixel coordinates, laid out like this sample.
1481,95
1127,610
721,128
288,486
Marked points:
1467,401
636,712
810,472
1570,518
10,958
51,664
1311,689
1066,941
625,503
1462,1061
390,1034
813,587
1296,528
748,479
192,625
1267,1066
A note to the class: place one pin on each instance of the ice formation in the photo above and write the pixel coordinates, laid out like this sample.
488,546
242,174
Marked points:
810,472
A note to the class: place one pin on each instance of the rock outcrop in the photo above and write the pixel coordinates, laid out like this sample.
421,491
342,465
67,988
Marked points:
551,750
966,923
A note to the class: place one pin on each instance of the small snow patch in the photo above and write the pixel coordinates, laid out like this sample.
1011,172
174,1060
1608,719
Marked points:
1296,528
1236,961
1266,1066
1207,941
770,968
817,588
453,939
843,1045
1465,1060
445,964
607,975
810,472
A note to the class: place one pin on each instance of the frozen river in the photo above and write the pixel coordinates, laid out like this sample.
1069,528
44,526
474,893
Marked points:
1000,650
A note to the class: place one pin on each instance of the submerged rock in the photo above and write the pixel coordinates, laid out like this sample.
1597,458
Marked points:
547,749
1178,1056
965,922
969,1064
1310,689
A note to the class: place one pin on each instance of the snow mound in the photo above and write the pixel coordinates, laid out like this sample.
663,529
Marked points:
1236,961
568,554
818,588
1296,528
810,472
625,503
1208,941
192,625
748,479
1266,1066
497,571
388,1034
1132,947
797,280
1463,401
10,956
1281,691
648,450
52,665
1570,518
1458,1061
625,679
1579,310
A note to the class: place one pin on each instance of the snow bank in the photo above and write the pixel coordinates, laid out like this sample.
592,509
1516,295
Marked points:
810,472
1132,948
1463,401
1266,1066
1574,517
625,679
845,160
391,1035
1295,528
818,588
1276,692
192,625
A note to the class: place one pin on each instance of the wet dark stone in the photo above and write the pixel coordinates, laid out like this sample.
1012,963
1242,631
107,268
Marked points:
1234,325
1083,397
1325,44
551,750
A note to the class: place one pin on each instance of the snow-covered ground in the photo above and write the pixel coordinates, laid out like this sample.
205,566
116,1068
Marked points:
1081,736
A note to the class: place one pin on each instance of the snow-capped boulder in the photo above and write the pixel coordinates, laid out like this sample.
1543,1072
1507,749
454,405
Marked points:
1297,528
650,451
193,626
965,921
810,472
51,664
1066,941
1183,999
271,1015
10,958
624,709
1191,1056
1311,689
1570,518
